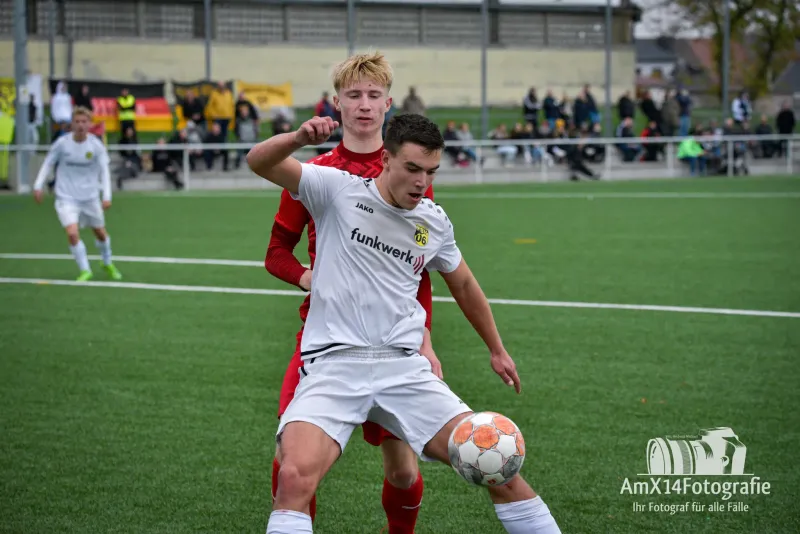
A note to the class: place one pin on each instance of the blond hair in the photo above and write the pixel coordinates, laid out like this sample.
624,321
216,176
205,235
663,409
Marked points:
371,66
80,110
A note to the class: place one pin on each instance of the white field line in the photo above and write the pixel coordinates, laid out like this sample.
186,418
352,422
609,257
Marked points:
139,259
444,194
294,293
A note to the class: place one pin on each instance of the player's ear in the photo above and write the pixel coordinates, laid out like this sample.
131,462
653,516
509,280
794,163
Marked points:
336,105
389,101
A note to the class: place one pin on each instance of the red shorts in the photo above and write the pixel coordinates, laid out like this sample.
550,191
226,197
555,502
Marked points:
373,434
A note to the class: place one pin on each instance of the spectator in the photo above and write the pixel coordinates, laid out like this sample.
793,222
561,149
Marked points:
281,124
671,115
519,134
595,152
591,105
564,110
131,163
741,109
413,103
626,108
558,153
164,161
33,129
650,110
246,130
191,135
550,108
628,150
690,151
61,109
684,112
449,134
766,148
83,99
580,110
531,107
192,109
575,155
219,108
652,150
785,123
464,134
324,107
126,111
507,151
217,137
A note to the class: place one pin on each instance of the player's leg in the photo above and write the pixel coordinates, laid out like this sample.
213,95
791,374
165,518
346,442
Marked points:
290,380
69,214
420,408
93,212
402,485
333,396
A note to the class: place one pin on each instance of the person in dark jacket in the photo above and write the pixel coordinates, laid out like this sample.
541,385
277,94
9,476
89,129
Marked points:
650,109
785,124
591,106
626,107
550,109
164,161
83,99
530,108
575,155
193,109
580,111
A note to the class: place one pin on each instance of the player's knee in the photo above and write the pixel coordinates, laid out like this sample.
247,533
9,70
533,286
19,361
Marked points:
73,238
294,483
515,490
402,477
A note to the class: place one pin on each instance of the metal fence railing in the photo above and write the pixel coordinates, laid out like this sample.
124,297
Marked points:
520,160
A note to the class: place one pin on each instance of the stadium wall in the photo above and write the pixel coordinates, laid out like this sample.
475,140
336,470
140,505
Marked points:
443,77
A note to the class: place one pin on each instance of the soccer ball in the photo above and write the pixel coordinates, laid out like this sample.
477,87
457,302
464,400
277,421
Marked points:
486,449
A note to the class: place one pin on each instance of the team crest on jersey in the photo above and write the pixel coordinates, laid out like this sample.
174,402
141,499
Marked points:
89,155
421,236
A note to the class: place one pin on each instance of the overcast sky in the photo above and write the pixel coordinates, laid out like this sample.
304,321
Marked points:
658,19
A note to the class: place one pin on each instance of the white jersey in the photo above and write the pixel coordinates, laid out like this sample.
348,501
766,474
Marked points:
370,256
82,169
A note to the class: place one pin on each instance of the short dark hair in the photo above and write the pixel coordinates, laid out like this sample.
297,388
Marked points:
412,128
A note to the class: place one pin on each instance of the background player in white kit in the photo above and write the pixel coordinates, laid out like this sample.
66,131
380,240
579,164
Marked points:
364,328
82,161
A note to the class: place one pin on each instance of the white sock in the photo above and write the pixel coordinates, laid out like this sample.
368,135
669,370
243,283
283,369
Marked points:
105,249
527,517
289,522
79,253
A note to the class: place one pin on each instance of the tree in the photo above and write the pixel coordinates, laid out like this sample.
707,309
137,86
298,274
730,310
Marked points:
765,29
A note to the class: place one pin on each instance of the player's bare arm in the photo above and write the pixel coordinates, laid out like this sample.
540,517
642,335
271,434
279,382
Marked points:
470,298
272,159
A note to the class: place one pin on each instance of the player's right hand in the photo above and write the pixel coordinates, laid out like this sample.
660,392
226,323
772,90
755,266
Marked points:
315,131
504,366
37,195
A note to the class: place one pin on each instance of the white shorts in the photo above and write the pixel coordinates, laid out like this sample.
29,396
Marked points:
86,212
341,390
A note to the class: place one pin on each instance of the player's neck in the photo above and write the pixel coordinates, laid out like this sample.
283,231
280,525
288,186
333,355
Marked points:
365,145
79,138
383,190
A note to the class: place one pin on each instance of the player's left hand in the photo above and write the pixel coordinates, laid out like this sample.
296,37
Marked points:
504,366
106,204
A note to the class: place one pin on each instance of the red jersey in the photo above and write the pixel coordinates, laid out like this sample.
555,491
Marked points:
292,218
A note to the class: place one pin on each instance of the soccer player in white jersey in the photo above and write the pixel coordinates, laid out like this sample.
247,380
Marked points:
82,162
365,327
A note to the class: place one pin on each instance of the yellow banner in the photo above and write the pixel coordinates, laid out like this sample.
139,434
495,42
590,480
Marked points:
265,96
8,93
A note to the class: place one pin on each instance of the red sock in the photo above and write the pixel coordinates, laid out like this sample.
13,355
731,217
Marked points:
276,468
402,506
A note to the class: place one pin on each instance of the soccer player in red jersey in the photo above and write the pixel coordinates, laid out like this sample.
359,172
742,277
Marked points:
362,84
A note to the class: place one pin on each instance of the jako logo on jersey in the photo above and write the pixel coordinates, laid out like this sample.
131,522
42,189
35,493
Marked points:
417,262
88,155
421,235
363,207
